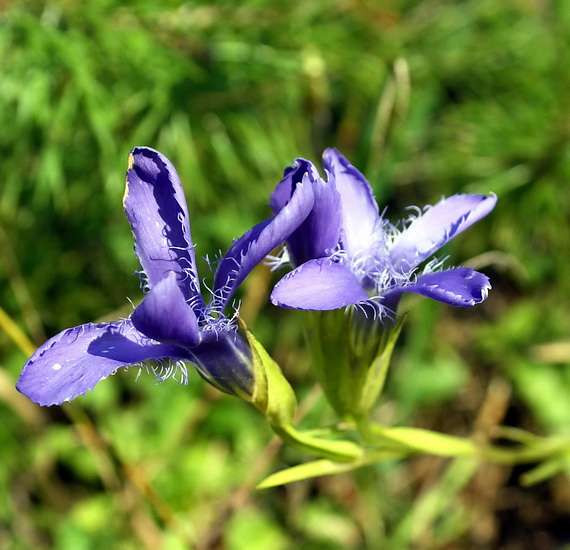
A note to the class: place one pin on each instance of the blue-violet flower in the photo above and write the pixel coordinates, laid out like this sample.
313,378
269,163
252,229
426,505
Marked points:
348,254
173,323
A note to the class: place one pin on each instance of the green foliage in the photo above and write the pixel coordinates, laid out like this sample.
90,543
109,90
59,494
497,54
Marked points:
427,98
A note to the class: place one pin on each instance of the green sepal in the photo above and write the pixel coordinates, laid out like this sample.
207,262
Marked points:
275,398
377,371
350,356
327,339
272,394
340,358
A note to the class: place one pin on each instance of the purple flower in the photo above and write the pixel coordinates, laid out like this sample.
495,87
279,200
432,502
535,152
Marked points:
173,323
348,254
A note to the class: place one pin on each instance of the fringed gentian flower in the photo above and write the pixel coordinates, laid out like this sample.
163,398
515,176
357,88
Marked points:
173,323
347,254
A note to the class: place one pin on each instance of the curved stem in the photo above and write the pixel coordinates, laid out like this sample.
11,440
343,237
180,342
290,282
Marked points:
337,450
531,449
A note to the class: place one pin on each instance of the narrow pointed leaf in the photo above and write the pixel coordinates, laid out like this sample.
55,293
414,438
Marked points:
309,470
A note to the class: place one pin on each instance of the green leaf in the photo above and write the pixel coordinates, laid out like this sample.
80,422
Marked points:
325,467
308,470
545,470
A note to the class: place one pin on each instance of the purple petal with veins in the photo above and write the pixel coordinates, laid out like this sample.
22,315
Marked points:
75,360
156,209
437,226
361,221
460,287
318,285
165,316
250,249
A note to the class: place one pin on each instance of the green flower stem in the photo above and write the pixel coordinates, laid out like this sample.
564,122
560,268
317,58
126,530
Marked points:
385,443
426,441
551,448
517,435
534,449
336,450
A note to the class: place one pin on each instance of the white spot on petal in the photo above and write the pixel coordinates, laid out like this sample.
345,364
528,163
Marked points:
57,366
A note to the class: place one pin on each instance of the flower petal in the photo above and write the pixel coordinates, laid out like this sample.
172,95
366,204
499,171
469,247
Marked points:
438,225
461,287
291,177
361,221
156,209
319,234
251,248
318,285
76,359
165,316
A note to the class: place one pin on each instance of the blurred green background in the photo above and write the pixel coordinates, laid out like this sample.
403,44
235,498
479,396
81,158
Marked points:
427,98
